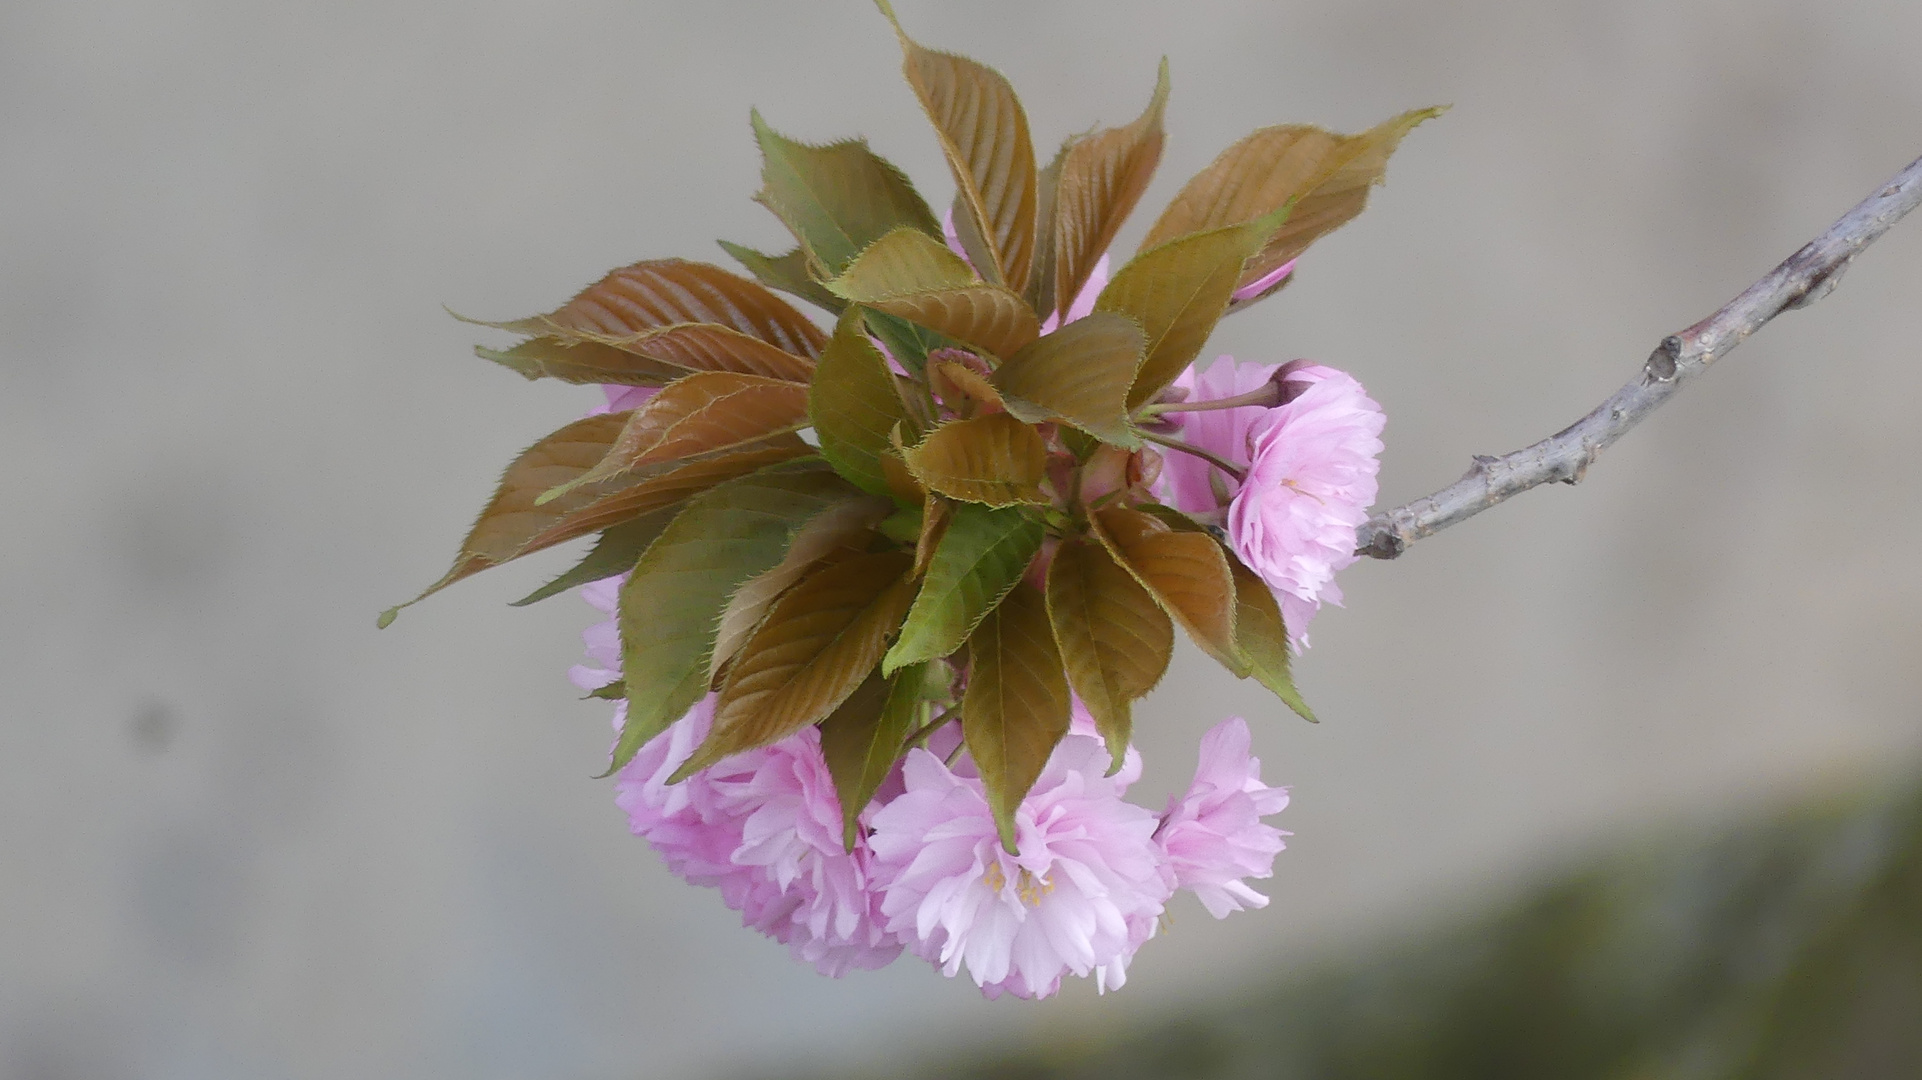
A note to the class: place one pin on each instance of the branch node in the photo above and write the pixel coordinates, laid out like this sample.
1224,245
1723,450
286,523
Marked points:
1578,469
1662,362
1819,286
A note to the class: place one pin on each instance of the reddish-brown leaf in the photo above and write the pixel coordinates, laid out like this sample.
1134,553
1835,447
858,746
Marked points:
701,414
667,292
1325,175
984,134
577,361
817,644
1115,640
840,531
713,347
963,389
985,315
650,489
993,459
514,524
1102,178
1041,278
1185,571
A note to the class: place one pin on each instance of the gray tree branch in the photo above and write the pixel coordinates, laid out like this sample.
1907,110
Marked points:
1804,278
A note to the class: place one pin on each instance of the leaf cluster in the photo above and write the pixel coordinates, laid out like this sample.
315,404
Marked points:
968,535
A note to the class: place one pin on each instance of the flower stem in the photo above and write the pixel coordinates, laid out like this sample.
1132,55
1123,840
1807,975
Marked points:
1235,471
1266,396
921,734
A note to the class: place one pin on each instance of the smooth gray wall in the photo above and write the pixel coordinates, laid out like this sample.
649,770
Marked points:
242,834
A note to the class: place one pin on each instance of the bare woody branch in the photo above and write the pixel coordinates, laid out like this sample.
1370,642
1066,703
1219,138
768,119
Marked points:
1804,278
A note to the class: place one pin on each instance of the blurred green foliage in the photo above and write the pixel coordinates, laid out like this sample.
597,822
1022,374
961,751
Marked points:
1787,947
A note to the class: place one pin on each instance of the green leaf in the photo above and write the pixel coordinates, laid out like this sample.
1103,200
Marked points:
668,292
909,344
614,691
854,405
580,362
1177,293
1261,638
1114,638
984,134
788,273
615,552
903,262
994,459
862,739
980,555
1324,176
821,639
836,199
701,414
673,600
1081,373
1185,572
1015,708
1102,179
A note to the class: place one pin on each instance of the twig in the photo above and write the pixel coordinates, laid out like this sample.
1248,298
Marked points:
1807,276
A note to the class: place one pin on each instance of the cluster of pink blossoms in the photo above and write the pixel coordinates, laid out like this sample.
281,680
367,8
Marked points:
1087,886
1092,873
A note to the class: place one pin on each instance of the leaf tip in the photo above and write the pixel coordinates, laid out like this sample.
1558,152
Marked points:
386,618
1004,825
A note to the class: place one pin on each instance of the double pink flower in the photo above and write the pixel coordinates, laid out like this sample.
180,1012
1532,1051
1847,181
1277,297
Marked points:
1310,462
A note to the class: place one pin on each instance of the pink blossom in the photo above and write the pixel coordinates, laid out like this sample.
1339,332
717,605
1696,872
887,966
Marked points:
763,827
952,237
1265,282
1213,837
603,639
1083,893
1188,483
623,398
1083,304
1311,478
791,830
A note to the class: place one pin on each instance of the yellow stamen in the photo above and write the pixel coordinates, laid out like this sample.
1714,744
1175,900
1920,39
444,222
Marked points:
995,879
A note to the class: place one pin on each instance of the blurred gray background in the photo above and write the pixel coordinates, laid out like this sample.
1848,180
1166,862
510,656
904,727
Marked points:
242,834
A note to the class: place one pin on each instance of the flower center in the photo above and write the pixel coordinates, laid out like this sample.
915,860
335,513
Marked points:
1030,891
1028,888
